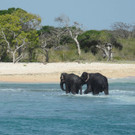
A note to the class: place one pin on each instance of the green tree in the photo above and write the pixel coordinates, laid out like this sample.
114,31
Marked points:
95,41
9,11
48,38
18,32
73,31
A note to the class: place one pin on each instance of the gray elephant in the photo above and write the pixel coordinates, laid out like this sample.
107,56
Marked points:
96,83
73,83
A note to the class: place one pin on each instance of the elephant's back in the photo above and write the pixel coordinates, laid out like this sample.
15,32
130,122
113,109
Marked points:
98,81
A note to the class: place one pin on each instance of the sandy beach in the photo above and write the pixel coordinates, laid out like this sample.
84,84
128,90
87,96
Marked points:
49,73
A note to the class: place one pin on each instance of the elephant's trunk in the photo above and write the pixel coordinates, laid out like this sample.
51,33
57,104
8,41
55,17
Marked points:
61,85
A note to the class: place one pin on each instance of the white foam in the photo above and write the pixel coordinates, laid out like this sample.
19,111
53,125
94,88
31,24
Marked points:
10,89
123,96
34,90
115,96
125,99
121,92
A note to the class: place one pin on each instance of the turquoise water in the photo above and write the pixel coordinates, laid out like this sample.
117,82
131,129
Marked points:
43,109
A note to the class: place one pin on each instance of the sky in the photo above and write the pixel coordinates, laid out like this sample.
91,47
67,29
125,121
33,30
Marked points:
93,14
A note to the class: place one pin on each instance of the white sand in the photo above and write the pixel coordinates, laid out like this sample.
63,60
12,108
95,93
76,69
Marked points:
38,72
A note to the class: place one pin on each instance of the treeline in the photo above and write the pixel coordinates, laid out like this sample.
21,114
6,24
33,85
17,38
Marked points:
22,38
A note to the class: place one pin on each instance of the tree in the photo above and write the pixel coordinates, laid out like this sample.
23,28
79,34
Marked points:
122,30
30,23
16,30
48,38
99,41
11,33
107,50
73,31
3,51
9,11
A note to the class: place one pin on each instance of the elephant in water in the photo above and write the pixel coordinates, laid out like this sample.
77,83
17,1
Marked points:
73,83
96,83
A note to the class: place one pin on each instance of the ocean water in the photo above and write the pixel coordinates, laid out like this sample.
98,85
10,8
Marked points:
44,109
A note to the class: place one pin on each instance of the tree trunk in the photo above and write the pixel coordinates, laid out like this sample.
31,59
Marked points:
13,57
107,53
47,55
18,48
78,46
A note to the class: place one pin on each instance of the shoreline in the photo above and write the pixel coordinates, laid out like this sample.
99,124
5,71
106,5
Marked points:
50,72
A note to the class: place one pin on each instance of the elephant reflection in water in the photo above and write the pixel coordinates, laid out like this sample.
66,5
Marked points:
73,83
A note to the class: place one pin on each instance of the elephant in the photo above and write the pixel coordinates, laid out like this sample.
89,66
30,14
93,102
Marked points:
96,83
73,83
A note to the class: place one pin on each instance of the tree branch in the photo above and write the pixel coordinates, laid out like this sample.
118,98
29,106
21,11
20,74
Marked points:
4,36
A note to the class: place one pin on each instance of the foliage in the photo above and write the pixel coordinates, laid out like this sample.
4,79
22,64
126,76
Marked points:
22,38
71,55
46,29
123,30
9,11
90,39
16,28
128,51
72,31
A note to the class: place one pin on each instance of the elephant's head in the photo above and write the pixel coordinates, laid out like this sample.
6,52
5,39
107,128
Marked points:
63,80
85,77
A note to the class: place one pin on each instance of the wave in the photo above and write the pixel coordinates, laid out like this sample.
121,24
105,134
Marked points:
122,80
28,90
123,97
111,92
119,92
10,89
116,96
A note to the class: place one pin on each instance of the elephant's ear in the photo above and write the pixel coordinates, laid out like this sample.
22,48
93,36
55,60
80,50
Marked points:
62,77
